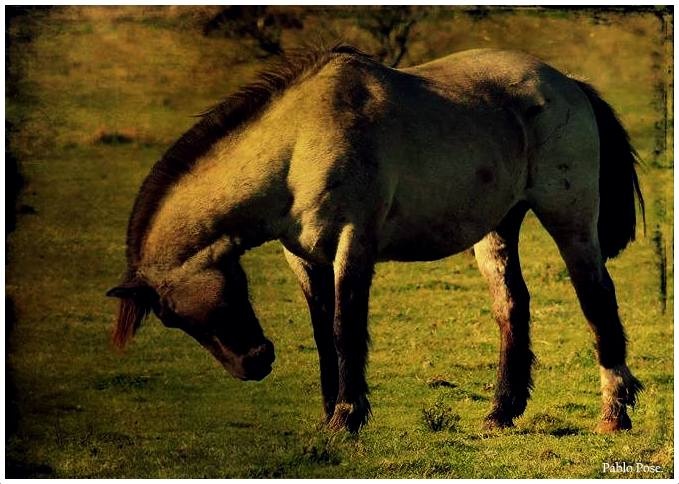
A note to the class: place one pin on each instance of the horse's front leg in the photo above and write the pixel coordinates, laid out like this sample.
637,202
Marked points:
317,283
353,267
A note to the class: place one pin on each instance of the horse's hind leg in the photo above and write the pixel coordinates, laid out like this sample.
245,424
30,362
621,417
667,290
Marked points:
498,259
579,247
318,285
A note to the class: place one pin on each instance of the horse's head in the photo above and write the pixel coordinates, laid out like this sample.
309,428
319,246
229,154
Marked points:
209,303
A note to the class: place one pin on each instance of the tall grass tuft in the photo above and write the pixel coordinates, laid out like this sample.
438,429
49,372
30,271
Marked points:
440,416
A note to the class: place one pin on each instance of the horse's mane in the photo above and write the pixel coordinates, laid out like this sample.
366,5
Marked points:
215,123
131,313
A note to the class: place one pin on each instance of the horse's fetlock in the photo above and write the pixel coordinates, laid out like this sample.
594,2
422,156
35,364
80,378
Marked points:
619,389
498,419
610,423
329,407
512,404
350,416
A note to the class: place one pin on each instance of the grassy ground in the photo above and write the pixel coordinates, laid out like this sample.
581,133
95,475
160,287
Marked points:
97,94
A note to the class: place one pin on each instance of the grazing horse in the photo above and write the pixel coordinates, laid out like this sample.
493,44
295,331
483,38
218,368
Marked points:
347,162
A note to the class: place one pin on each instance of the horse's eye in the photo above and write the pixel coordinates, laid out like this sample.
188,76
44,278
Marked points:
167,316
170,320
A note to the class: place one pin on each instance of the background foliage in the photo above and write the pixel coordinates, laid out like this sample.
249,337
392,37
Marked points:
96,94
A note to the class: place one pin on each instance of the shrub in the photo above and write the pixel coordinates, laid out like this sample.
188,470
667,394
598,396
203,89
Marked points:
440,416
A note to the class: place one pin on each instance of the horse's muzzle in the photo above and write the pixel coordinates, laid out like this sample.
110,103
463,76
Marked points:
257,363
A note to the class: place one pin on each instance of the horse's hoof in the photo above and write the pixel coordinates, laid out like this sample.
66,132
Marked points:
491,424
323,422
497,421
350,416
344,418
623,422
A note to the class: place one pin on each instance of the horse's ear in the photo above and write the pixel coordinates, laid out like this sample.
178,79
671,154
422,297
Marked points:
131,289
119,291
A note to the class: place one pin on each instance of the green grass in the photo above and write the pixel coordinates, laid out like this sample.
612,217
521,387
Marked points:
164,408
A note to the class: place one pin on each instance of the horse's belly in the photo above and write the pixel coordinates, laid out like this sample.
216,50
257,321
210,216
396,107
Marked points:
413,243
446,195
422,228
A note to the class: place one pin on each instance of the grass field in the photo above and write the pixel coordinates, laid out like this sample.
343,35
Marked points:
95,95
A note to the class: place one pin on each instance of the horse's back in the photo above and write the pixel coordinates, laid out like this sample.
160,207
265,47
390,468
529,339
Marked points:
444,149
560,129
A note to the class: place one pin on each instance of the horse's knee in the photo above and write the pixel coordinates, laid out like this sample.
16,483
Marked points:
511,306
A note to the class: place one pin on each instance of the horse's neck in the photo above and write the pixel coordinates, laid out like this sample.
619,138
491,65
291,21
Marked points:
237,190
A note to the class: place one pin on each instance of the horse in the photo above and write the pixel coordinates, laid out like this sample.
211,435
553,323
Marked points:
347,163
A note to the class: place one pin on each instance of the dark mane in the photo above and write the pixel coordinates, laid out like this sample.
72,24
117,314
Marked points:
214,124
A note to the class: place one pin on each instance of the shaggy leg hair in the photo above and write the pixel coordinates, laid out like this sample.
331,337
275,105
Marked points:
353,269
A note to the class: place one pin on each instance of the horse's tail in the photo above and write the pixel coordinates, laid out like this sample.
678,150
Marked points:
618,181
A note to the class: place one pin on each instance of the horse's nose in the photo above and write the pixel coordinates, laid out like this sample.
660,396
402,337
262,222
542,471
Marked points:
268,352
257,364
